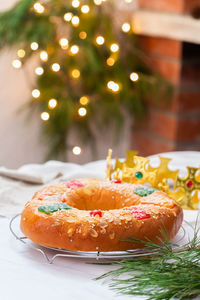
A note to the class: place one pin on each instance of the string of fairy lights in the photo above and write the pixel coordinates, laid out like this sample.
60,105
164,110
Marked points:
112,86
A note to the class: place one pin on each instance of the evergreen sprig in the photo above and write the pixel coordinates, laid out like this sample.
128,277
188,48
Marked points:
21,26
167,275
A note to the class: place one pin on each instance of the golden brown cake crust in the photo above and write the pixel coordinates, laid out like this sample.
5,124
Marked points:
122,213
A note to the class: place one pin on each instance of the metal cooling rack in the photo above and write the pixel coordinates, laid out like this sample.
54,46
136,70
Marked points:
181,241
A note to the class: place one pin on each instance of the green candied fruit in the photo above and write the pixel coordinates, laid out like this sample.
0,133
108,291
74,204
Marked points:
49,209
144,191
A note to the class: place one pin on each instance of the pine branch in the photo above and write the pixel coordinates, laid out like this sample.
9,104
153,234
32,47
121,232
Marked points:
171,274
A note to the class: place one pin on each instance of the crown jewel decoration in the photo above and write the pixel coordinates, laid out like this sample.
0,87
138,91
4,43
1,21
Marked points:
137,169
190,187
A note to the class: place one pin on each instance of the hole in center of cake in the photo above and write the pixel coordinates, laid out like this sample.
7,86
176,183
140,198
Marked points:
104,201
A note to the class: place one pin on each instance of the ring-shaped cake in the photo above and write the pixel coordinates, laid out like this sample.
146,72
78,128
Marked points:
98,215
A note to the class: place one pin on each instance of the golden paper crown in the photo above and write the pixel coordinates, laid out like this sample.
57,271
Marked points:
137,169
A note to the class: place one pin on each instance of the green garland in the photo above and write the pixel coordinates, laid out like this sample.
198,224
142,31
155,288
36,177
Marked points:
25,24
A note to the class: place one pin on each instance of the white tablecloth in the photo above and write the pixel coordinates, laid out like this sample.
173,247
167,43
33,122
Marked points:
24,273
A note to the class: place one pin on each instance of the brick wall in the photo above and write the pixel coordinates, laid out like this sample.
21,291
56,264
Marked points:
172,125
173,6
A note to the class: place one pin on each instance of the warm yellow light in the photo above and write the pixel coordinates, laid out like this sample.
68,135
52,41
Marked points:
82,35
75,3
85,9
110,85
113,86
76,150
82,111
55,67
126,27
35,93
52,103
84,100
39,71
110,61
75,21
34,46
75,73
74,49
97,2
38,7
128,1
114,47
16,63
68,17
100,40
64,43
44,55
44,116
21,53
134,76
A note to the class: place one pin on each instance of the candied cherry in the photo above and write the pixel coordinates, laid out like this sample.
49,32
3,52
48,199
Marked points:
93,213
138,213
117,181
73,183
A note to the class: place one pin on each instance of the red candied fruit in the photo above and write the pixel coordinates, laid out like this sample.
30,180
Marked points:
116,181
138,213
73,183
93,213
